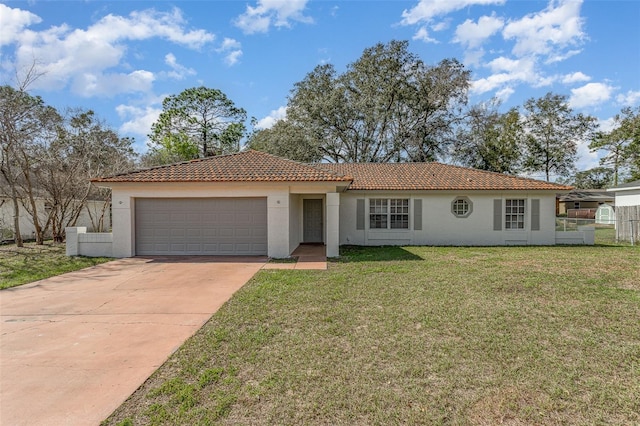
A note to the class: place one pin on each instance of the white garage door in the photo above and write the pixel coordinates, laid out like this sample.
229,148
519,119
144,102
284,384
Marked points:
201,226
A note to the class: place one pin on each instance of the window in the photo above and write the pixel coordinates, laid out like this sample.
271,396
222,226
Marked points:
399,214
514,214
388,213
461,207
378,214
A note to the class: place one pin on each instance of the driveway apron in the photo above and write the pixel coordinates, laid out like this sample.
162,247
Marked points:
75,346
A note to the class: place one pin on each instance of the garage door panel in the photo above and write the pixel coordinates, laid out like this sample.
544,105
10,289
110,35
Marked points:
177,233
241,246
209,233
208,226
193,234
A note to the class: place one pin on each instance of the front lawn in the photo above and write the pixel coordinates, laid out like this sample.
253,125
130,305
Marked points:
35,262
415,335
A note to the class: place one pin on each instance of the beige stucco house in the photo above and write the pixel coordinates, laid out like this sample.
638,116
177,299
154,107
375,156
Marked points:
252,203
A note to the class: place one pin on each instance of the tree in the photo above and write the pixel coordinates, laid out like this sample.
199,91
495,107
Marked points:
25,121
388,106
621,144
596,178
489,140
286,139
84,148
552,132
198,122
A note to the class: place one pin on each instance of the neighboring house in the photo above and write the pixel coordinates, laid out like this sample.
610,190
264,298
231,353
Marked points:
627,211
583,203
252,203
27,229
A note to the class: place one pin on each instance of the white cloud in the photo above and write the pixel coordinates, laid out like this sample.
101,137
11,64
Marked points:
13,21
586,159
146,24
273,117
138,120
576,77
441,26
494,81
508,72
178,72
607,125
472,34
426,10
267,13
549,36
590,94
87,59
473,56
423,35
544,33
233,57
98,84
561,56
230,44
505,93
631,98
233,51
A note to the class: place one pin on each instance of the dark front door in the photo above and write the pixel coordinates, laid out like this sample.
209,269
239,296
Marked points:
312,221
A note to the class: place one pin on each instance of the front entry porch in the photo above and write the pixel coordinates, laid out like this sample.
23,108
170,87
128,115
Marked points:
308,256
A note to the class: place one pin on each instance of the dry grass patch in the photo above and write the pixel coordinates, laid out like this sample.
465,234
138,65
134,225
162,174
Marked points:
415,335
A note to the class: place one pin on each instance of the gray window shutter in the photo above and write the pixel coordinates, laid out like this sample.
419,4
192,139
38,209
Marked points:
535,215
360,214
417,215
497,215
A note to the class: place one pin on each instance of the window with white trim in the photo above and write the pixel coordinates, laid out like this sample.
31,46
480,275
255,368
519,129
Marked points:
514,214
392,213
461,207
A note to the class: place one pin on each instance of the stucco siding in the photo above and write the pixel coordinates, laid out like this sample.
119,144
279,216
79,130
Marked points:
283,208
441,227
295,221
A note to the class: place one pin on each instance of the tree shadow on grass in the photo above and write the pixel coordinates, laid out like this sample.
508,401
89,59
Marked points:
375,254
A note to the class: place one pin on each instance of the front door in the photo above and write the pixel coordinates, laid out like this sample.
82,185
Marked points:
312,221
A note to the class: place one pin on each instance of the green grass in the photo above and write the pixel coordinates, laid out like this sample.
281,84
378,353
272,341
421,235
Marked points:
415,335
35,262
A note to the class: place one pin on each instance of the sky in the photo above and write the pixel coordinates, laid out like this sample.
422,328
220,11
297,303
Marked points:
121,58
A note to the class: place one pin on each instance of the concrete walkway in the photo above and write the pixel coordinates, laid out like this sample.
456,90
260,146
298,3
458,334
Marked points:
308,256
74,347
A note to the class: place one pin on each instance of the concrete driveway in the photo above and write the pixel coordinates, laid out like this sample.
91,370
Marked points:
74,347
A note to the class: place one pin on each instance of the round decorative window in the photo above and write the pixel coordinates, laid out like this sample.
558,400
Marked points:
461,207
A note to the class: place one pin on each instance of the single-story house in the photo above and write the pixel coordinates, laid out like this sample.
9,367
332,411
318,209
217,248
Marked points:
253,203
627,211
583,203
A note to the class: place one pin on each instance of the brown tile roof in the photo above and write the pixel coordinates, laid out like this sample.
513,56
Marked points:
247,166
432,176
256,166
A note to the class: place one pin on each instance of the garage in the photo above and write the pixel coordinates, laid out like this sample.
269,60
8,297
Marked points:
201,226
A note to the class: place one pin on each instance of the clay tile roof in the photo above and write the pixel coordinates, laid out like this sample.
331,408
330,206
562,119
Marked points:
247,166
432,176
256,166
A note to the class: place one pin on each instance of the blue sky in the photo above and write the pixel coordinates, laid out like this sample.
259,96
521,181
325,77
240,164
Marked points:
121,58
